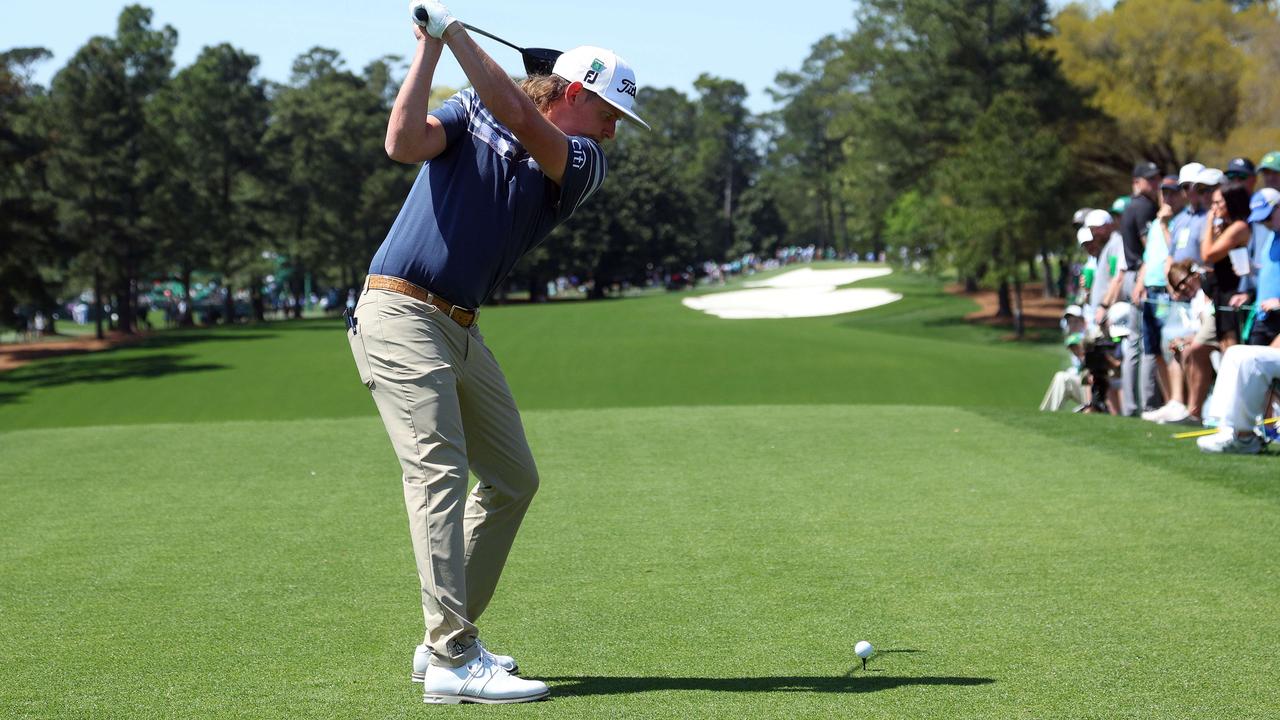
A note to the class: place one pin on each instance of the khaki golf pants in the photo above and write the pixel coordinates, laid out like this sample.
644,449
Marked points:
448,410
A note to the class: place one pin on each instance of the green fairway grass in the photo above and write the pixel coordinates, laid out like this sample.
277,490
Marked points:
211,525
647,351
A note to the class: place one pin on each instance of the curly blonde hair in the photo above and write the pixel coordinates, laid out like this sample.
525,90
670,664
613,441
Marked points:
544,90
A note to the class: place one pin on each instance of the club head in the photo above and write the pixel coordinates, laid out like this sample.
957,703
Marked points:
539,61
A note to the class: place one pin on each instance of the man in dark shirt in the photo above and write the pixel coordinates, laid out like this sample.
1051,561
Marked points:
503,166
1134,224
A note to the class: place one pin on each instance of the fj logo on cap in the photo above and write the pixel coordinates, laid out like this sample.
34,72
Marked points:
628,87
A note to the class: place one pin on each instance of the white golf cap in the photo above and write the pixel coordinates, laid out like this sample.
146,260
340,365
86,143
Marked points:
1073,311
1097,218
1084,235
1211,177
603,73
1079,216
1118,317
1189,173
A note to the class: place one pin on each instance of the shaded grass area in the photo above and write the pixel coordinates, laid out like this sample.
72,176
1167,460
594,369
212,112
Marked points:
638,352
679,562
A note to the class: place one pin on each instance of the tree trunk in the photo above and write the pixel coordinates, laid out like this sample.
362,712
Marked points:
1019,324
970,284
537,286
259,306
124,305
297,289
186,319
1005,310
1064,272
97,303
229,306
1049,286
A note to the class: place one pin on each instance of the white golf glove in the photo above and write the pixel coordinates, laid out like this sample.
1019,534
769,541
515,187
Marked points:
432,16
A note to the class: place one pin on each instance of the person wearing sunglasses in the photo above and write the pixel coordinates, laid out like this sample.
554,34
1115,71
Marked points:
1241,170
1189,343
1248,373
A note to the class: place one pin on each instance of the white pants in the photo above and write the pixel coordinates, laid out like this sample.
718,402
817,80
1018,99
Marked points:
1244,376
1065,388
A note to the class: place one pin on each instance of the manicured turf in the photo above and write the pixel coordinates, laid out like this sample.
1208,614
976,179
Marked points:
713,557
646,352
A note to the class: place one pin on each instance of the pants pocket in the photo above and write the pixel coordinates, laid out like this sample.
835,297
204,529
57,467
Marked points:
358,352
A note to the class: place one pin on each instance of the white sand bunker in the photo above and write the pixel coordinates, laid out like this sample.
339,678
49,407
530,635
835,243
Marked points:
800,293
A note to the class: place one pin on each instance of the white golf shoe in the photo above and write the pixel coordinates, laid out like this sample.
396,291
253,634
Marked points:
1226,441
1173,411
479,681
422,658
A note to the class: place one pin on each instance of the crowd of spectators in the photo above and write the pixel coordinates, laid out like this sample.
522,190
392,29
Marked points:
1177,316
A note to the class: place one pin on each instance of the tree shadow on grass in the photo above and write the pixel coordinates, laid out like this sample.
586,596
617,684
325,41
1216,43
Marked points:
182,338
594,685
97,370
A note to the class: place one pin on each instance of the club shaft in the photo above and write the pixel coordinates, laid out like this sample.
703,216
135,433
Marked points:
491,36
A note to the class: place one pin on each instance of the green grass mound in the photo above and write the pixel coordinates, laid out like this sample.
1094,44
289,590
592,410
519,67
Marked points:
679,562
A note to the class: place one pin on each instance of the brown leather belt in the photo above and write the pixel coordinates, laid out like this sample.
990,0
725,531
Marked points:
464,317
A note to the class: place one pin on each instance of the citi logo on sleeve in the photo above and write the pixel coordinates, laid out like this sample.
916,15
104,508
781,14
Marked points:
579,158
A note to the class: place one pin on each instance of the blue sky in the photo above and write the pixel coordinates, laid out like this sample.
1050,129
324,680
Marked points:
668,44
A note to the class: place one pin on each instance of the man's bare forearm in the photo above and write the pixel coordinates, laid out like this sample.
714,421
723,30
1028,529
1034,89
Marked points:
407,137
508,103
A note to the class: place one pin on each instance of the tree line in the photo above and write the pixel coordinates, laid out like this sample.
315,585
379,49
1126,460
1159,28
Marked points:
949,134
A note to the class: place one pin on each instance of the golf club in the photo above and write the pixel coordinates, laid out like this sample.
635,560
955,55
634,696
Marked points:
537,61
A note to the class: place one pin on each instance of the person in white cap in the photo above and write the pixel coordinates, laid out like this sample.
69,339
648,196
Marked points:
1186,226
1106,246
503,166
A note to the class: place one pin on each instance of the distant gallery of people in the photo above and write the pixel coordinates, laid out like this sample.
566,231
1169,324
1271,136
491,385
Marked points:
1177,315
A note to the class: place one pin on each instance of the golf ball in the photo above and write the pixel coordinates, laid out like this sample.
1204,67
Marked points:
863,649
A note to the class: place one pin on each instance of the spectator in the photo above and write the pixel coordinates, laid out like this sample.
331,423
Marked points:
1152,295
1119,205
1191,341
1244,384
1228,231
1067,385
1134,224
1269,170
1241,170
1106,248
1187,227
1099,357
1259,246
1263,215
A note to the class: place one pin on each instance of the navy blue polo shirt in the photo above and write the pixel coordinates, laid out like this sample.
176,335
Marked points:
480,205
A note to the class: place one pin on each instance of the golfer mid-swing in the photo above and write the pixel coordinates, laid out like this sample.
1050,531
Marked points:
504,165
